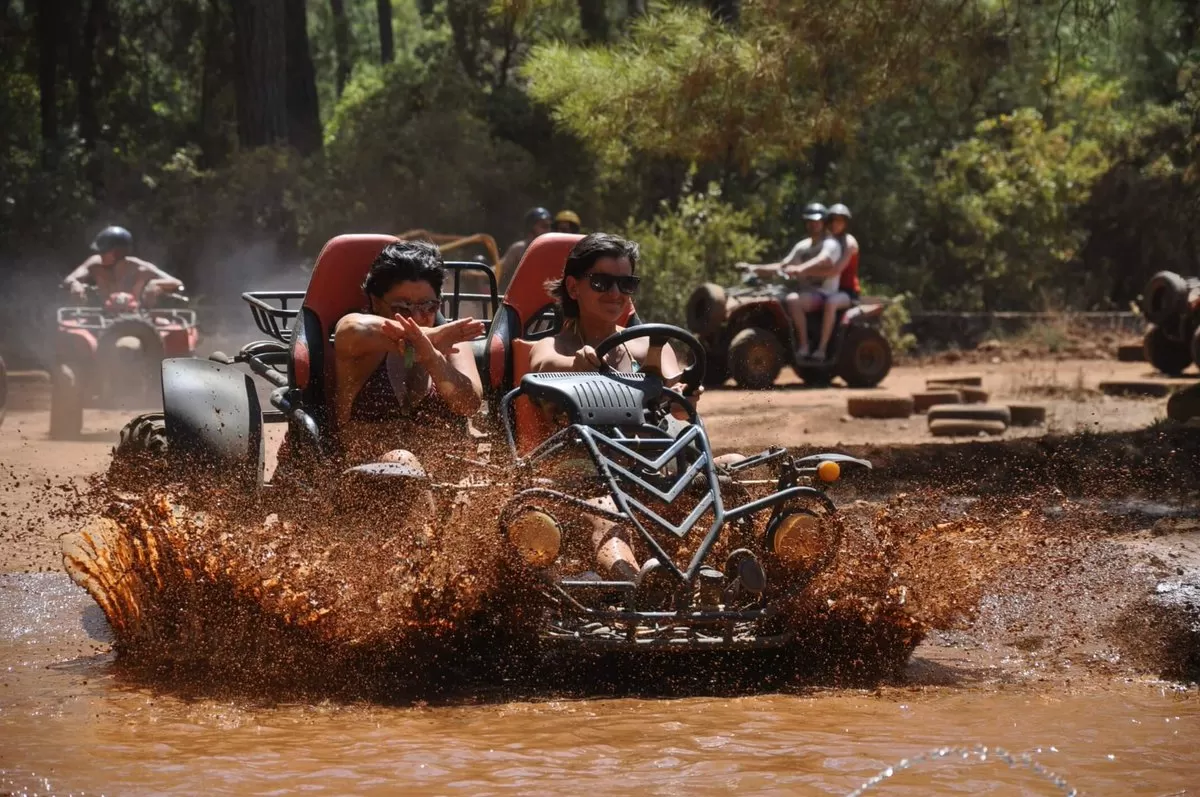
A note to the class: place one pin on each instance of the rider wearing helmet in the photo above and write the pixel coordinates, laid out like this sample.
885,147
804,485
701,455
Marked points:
113,270
813,259
847,287
567,221
537,222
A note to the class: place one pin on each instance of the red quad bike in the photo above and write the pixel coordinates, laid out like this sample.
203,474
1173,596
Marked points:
727,549
109,356
749,336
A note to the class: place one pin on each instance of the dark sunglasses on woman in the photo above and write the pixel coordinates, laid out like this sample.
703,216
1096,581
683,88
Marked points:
603,283
409,309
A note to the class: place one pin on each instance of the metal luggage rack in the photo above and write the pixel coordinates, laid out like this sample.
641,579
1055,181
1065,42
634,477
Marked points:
272,313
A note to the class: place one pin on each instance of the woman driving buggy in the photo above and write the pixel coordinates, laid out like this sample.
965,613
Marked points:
594,294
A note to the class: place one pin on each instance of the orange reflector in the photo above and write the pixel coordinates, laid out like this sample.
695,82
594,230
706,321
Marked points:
829,471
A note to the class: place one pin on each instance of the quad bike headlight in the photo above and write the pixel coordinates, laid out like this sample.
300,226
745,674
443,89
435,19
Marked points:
800,540
536,536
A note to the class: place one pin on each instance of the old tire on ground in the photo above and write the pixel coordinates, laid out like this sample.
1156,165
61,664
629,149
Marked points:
1027,414
705,310
1166,355
880,406
940,382
1136,388
970,395
932,398
957,428
970,412
1135,352
66,403
1196,346
864,358
755,358
1164,298
1183,405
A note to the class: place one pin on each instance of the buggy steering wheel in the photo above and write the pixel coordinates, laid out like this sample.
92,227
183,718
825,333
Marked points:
689,380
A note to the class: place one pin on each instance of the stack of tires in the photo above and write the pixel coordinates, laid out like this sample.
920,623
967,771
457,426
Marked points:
1171,304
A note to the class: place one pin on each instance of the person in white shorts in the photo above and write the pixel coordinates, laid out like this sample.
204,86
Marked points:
838,291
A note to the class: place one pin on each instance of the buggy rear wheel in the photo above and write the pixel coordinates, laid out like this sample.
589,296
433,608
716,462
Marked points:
66,404
1166,355
755,358
145,435
865,357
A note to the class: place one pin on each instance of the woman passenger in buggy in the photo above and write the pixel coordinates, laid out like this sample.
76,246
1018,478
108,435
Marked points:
398,376
594,294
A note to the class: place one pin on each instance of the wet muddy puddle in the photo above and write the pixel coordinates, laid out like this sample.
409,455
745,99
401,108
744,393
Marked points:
71,723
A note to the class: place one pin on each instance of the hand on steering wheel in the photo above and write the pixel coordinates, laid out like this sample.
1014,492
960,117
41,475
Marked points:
690,380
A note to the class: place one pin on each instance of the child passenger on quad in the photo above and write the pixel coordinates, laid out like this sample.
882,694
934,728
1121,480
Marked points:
594,294
398,376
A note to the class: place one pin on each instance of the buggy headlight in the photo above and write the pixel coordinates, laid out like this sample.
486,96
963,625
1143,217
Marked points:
800,540
536,536
829,471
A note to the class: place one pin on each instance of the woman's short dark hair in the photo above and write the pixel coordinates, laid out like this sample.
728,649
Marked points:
582,257
405,261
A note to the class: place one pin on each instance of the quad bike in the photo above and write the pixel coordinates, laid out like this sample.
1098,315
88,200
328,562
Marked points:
749,336
1171,305
725,555
109,355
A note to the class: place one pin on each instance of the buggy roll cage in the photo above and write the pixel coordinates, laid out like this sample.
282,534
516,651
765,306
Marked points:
274,311
274,314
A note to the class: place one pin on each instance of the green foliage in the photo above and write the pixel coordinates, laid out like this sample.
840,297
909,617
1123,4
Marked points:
694,240
1008,198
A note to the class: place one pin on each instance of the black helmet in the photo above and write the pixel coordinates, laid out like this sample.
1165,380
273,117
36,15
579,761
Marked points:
111,238
815,211
534,215
840,210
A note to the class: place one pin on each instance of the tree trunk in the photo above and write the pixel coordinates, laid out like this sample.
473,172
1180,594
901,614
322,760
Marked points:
261,66
593,20
425,7
387,46
85,87
304,118
727,11
341,44
48,40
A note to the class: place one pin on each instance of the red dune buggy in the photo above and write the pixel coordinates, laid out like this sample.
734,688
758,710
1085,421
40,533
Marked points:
110,356
749,336
727,550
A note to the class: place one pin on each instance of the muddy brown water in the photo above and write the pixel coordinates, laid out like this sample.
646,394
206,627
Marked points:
72,721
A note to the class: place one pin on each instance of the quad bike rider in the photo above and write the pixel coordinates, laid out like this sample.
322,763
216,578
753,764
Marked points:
752,331
567,221
537,222
730,550
108,351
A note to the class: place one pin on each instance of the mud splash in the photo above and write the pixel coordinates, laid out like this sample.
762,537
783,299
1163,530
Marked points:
195,583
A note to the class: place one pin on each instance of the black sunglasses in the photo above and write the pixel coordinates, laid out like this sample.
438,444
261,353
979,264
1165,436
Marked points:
603,283
409,309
